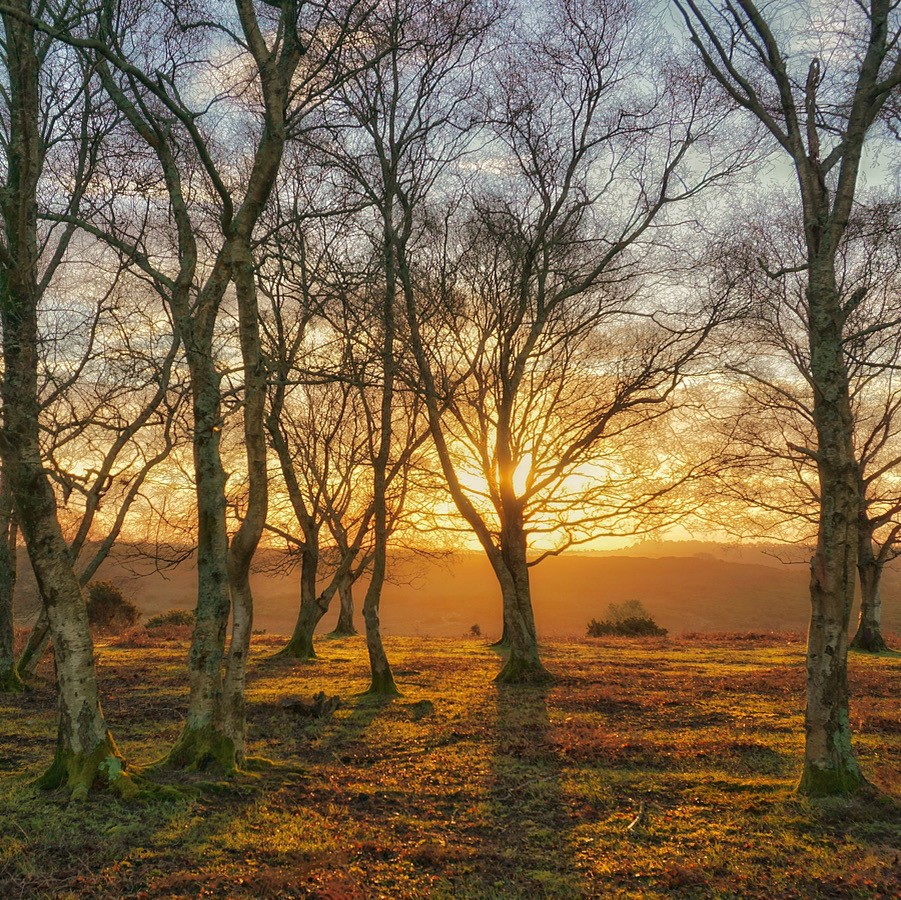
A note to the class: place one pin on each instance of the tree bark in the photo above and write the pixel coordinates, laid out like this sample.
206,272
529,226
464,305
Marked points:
869,569
829,763
247,538
345,626
311,611
523,665
10,682
203,741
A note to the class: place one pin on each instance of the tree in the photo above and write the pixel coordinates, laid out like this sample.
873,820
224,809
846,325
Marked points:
131,46
771,471
819,107
10,681
529,323
35,90
376,135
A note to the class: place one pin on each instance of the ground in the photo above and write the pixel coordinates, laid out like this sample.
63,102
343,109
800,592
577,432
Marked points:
463,789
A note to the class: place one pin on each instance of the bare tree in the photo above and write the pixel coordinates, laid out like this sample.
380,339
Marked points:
377,134
530,324
771,471
818,86
145,58
41,82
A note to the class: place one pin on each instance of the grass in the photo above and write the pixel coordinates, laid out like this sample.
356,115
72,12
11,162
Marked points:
463,789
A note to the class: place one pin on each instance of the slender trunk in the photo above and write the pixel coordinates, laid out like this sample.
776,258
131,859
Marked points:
244,543
382,679
203,741
830,766
311,611
345,626
35,646
869,569
10,682
380,669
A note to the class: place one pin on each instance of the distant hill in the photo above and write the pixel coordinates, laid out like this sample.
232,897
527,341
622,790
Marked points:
702,587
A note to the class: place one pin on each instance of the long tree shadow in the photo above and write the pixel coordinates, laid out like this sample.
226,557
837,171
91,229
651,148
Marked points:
526,847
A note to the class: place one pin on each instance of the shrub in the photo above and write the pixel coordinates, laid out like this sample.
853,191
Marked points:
171,617
108,610
629,619
475,631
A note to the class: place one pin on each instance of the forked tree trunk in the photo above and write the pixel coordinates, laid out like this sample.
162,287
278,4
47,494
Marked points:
345,626
830,766
10,682
869,570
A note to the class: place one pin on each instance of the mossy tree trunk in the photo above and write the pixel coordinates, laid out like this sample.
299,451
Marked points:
830,766
10,681
382,683
523,665
86,752
869,568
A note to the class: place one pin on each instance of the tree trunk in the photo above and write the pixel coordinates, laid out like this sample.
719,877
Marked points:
345,626
244,543
203,741
35,646
10,682
830,766
869,628
311,611
523,665
382,683
86,752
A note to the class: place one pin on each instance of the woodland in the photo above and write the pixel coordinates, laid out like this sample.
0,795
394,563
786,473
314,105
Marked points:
305,287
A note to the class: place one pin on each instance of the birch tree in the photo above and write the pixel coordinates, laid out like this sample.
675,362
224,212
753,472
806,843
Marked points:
818,84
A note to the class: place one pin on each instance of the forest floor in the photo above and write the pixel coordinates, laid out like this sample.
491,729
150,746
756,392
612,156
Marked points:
461,789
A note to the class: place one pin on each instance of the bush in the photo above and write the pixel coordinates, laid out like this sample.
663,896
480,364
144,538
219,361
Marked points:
170,617
629,619
475,631
108,610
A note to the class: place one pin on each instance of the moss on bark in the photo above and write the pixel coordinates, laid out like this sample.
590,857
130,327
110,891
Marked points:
104,767
10,681
201,749
299,647
382,685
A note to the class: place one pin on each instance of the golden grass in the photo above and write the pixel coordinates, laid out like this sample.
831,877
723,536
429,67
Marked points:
463,789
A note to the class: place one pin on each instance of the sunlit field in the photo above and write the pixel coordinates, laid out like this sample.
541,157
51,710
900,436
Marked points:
461,789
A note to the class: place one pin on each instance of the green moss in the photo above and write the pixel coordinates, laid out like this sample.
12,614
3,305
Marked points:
10,681
80,772
201,749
